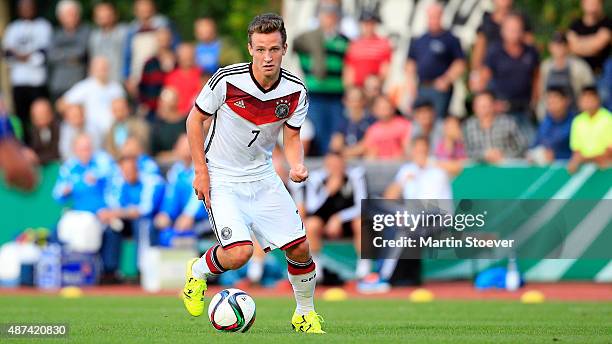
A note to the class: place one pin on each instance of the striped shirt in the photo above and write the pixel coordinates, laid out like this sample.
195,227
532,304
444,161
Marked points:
504,135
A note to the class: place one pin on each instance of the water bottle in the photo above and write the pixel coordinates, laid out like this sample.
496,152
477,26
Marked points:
513,279
49,268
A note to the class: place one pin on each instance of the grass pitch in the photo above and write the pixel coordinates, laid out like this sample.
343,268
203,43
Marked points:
163,320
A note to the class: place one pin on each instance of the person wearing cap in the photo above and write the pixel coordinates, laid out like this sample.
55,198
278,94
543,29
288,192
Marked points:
436,60
369,54
563,70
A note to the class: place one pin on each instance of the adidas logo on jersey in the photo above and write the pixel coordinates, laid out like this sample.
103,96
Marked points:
240,104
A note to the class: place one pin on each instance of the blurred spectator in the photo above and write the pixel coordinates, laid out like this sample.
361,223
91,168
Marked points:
180,208
492,137
372,89
420,178
145,163
321,53
552,140
389,137
489,31
130,211
45,131
185,79
68,49
154,73
424,121
590,138
141,41
168,126
333,205
212,52
368,54
124,126
564,71
437,60
511,68
96,95
349,134
83,180
449,150
73,126
590,36
108,38
25,45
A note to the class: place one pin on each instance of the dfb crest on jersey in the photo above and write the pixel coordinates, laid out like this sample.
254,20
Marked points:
282,109
226,233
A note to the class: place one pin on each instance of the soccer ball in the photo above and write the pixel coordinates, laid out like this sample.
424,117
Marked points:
232,310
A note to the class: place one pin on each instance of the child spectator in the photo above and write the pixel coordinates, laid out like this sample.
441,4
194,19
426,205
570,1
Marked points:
389,137
590,138
425,122
552,140
449,150
348,137
564,71
44,132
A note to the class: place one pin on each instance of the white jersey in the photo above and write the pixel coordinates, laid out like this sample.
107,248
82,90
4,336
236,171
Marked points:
247,120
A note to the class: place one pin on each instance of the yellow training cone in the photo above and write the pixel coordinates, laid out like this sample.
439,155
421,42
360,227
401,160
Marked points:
532,296
335,294
421,295
71,292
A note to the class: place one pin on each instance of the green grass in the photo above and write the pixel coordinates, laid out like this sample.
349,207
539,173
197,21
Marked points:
162,319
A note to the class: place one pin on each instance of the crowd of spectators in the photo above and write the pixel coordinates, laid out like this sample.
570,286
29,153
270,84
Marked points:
109,101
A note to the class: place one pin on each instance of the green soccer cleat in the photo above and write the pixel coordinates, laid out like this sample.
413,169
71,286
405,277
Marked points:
193,292
309,323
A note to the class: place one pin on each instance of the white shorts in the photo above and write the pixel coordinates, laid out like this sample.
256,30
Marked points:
263,207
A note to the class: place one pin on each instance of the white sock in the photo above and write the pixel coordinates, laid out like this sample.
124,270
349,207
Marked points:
363,268
255,270
207,265
303,280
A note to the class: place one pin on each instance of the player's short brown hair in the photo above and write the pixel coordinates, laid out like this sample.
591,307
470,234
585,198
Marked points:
268,23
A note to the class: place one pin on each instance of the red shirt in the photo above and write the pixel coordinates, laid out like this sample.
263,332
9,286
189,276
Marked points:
389,138
187,84
366,56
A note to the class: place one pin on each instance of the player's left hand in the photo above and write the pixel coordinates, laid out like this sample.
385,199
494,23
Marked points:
298,173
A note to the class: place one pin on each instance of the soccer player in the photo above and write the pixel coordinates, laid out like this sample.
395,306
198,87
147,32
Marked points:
249,104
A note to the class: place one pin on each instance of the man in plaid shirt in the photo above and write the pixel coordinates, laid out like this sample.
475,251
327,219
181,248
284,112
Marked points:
492,137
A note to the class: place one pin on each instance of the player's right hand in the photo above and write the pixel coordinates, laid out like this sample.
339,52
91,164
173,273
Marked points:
201,186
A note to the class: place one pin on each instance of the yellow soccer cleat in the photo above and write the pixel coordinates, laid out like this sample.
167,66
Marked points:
309,323
193,292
